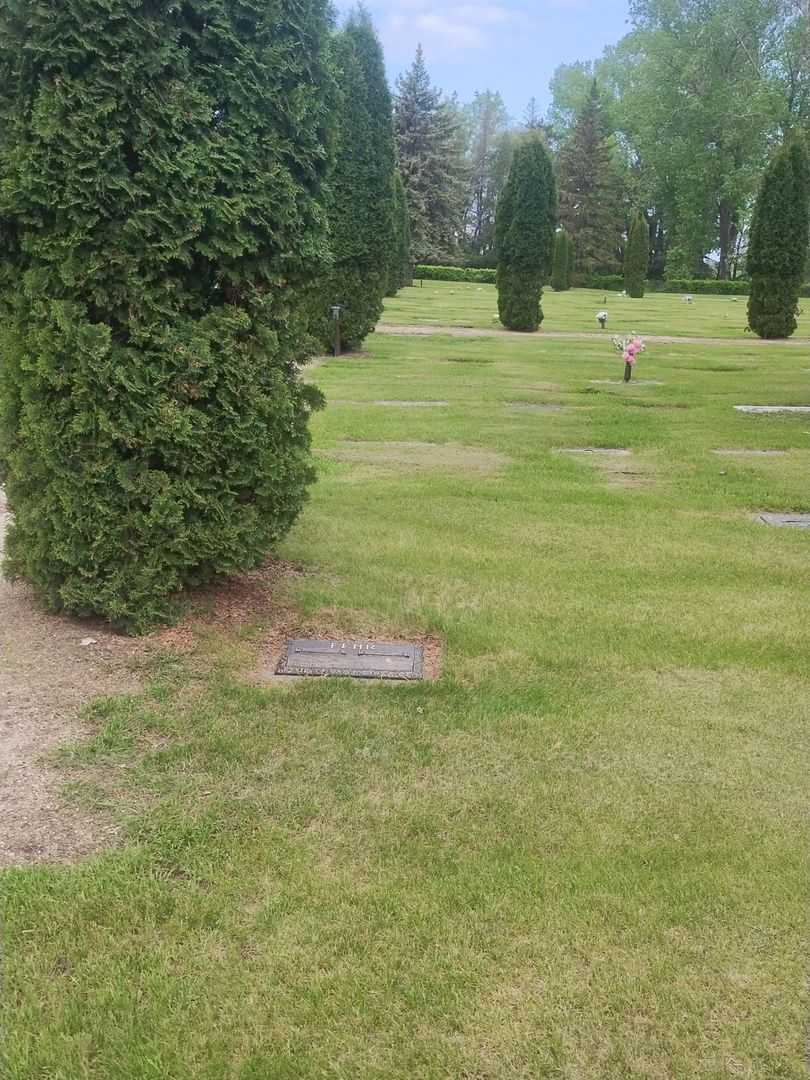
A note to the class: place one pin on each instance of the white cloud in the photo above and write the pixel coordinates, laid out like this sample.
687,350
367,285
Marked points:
445,30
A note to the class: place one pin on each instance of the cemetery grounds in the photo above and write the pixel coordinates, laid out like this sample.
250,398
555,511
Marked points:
578,850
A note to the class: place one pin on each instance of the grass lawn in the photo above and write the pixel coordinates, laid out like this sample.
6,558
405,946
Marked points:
448,303
581,853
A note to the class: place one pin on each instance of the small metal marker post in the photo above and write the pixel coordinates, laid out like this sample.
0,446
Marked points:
337,311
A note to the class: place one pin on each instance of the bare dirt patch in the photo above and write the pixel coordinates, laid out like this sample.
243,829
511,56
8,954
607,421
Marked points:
418,455
50,666
613,464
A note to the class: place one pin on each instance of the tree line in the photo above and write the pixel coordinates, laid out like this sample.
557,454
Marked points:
678,120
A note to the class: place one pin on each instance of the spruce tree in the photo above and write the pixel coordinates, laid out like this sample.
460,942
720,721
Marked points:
430,153
361,208
561,267
637,257
527,212
778,245
590,190
161,169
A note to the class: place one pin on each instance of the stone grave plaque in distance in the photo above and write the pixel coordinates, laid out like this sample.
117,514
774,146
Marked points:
352,659
786,521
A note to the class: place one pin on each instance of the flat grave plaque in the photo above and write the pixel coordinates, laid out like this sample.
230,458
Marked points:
765,409
785,521
352,659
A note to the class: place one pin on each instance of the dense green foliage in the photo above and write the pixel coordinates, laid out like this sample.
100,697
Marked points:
400,267
563,260
160,185
637,257
527,213
695,94
457,273
430,150
779,237
706,286
362,201
590,189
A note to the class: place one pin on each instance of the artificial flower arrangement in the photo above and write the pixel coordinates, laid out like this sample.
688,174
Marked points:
602,318
630,348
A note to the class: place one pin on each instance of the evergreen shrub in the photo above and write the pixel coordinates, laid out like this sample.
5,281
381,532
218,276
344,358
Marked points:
777,251
524,228
637,257
161,169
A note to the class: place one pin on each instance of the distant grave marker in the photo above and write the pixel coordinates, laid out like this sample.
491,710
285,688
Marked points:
352,659
750,453
785,521
413,404
621,382
761,409
530,406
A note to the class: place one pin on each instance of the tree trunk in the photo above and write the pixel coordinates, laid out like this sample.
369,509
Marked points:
728,235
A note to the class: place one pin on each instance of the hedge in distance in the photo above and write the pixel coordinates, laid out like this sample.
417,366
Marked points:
524,229
777,250
160,209
637,257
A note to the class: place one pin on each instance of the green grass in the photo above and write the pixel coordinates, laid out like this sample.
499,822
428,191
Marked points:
579,854
448,303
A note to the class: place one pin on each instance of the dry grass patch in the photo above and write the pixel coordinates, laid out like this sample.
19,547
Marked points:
419,455
613,464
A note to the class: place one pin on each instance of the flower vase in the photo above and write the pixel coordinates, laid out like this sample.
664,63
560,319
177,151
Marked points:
628,372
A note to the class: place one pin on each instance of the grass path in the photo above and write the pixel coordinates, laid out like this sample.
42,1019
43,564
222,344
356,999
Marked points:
449,303
579,854
418,330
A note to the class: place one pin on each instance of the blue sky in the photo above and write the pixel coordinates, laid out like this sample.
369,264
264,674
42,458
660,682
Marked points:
507,45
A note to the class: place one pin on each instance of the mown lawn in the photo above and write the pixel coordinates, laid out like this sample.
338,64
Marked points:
449,303
580,853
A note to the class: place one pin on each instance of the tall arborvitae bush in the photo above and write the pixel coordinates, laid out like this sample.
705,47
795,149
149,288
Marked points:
778,246
400,270
561,267
361,208
637,257
526,216
160,183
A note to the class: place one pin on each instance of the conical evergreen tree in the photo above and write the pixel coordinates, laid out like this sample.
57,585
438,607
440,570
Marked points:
524,228
361,211
400,270
778,246
430,152
637,257
160,182
561,267
590,190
